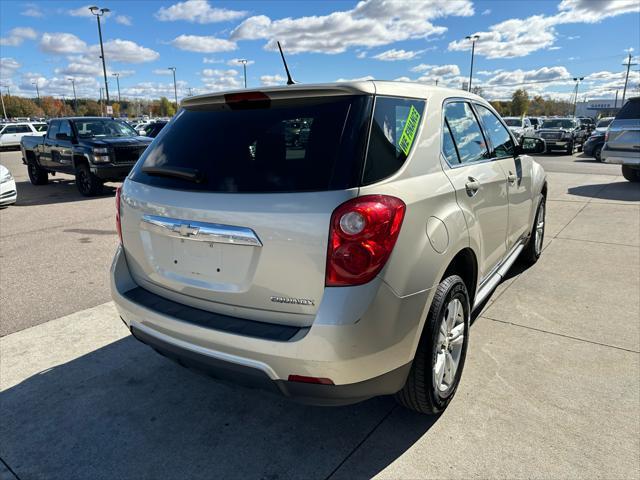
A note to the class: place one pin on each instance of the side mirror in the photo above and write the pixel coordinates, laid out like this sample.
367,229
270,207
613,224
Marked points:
530,145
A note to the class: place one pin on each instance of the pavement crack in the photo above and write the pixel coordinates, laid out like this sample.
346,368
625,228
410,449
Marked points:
366,437
596,241
9,468
560,334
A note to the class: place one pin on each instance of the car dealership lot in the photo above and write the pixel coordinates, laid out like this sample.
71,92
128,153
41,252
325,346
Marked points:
550,387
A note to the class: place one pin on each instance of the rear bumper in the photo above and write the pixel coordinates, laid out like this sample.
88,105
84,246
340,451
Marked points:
369,357
621,157
8,193
113,173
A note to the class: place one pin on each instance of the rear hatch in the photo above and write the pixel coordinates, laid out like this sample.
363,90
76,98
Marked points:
228,210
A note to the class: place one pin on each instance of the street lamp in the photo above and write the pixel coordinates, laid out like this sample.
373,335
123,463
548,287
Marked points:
175,88
98,12
117,75
575,99
37,91
243,61
4,110
75,99
473,39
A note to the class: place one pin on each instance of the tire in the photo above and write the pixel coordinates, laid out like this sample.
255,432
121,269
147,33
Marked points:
37,175
88,184
597,153
423,391
630,173
533,248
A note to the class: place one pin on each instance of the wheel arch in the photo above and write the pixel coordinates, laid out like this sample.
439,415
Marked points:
465,265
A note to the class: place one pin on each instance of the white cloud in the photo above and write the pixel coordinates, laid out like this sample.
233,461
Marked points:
212,60
209,72
124,20
61,43
125,51
361,54
8,66
203,44
220,79
197,11
17,36
82,12
271,80
486,12
555,48
520,37
234,62
32,10
358,79
437,70
162,71
368,24
394,55
154,90
544,74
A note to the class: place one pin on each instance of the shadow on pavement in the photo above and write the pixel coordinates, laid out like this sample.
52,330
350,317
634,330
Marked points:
123,411
623,191
58,190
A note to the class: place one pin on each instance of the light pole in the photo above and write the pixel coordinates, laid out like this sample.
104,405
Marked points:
175,88
473,39
101,104
243,61
626,79
575,99
117,75
75,99
37,92
4,110
98,12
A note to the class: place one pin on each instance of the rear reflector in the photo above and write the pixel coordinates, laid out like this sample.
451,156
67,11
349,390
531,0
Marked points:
316,380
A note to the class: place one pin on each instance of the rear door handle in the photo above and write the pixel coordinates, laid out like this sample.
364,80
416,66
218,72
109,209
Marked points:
472,186
512,178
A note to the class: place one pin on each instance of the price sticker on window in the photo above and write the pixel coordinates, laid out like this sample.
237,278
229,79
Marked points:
409,130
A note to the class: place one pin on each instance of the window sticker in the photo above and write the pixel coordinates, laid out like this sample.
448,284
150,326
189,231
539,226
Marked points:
409,130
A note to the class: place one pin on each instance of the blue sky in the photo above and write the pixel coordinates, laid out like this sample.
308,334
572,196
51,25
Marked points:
536,44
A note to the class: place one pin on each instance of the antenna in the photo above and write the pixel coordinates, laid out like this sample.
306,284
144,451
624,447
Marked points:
289,79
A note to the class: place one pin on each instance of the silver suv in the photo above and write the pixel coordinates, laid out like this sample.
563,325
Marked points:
337,267
622,140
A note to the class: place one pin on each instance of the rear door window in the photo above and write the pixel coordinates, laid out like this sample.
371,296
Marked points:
498,134
303,144
466,132
631,110
395,126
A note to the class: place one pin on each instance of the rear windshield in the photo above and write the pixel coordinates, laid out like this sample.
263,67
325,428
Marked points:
559,123
103,128
311,144
630,111
604,123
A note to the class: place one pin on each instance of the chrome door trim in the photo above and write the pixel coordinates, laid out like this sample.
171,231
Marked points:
201,231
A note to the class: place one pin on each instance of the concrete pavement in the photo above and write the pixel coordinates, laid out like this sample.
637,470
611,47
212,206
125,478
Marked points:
551,387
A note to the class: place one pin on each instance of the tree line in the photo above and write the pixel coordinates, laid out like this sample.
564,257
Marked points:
51,107
521,104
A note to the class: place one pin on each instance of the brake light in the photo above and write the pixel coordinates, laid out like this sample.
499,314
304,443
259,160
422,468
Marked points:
362,234
247,100
118,223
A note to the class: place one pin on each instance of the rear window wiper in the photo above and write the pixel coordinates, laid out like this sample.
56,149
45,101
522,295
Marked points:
189,174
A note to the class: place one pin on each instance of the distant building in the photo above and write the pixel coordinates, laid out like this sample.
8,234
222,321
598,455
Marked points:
598,107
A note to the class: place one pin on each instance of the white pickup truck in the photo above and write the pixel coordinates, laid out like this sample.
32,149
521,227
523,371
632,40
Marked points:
12,133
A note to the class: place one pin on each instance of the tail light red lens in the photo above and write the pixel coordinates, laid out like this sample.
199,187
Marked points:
118,223
362,234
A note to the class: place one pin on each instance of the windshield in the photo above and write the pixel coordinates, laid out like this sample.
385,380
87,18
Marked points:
604,123
558,123
513,122
107,127
40,127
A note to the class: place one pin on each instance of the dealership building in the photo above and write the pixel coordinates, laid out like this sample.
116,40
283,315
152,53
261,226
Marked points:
598,107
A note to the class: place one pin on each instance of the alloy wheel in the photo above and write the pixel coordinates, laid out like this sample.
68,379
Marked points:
449,345
539,229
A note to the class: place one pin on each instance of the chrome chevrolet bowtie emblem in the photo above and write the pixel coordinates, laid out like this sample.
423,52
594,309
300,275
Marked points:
185,230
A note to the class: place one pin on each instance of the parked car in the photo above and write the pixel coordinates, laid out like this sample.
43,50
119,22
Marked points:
587,124
520,126
536,122
12,133
335,272
622,140
153,129
593,146
94,149
8,192
563,134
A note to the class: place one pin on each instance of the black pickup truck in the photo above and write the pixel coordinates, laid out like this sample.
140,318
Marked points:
566,134
94,149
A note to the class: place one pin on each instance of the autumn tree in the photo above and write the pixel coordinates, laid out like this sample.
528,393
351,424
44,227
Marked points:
519,102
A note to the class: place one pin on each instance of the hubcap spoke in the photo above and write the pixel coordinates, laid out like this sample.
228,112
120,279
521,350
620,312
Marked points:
439,369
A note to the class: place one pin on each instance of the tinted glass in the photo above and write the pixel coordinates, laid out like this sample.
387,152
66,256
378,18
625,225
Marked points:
513,122
53,129
40,127
259,149
630,111
559,123
395,125
534,121
497,133
448,147
466,132
23,129
97,127
10,129
65,127
604,123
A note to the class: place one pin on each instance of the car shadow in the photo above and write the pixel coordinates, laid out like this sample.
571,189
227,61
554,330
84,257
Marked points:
58,190
620,191
123,411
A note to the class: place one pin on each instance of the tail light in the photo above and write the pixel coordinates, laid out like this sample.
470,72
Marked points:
118,223
362,234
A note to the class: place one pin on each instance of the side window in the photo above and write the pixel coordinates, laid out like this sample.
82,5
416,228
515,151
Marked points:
10,129
53,129
24,129
65,127
466,132
448,147
497,133
393,130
